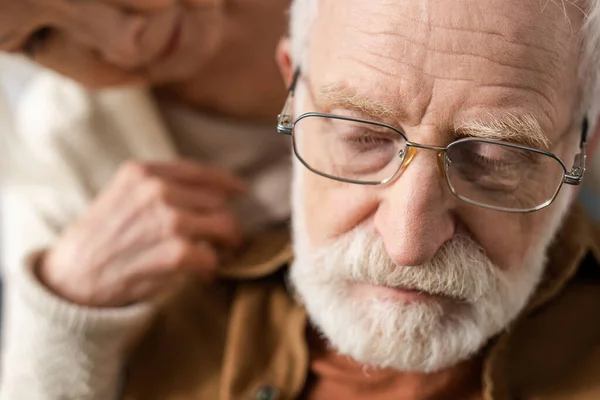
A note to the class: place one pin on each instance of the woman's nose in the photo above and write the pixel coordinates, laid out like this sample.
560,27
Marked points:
113,33
125,50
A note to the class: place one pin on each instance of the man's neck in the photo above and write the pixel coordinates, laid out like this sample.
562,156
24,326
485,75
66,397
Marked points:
333,375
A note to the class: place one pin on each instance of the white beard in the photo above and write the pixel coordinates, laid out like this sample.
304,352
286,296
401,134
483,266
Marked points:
426,335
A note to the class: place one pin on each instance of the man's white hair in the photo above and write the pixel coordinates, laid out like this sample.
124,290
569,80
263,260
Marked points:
590,62
304,12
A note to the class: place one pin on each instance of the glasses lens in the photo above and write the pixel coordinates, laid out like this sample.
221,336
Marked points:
348,149
502,176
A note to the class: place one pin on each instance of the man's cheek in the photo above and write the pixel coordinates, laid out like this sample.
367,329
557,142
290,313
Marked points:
335,208
503,236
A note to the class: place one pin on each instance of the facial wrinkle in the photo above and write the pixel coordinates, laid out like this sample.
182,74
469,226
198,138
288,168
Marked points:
400,61
453,53
416,68
484,32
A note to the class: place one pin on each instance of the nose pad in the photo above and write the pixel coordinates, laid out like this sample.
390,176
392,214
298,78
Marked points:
408,153
441,159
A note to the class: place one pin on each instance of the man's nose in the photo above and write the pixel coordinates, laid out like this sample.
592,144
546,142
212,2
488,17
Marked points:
415,217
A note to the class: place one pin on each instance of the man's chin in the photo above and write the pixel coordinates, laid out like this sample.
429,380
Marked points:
384,328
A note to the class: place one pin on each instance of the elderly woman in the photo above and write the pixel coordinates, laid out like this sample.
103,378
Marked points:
143,153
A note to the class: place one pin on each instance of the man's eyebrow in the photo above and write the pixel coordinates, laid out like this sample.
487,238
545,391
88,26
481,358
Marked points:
520,129
341,96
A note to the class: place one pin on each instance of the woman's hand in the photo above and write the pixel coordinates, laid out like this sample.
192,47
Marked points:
153,224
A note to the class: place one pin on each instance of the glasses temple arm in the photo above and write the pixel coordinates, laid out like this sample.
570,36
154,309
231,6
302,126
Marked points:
575,176
285,124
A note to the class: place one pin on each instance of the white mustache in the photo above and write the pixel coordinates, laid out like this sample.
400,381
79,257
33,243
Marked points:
460,269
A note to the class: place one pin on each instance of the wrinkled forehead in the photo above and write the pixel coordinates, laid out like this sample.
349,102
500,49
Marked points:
488,51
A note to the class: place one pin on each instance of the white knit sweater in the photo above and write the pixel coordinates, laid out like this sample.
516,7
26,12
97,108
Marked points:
61,351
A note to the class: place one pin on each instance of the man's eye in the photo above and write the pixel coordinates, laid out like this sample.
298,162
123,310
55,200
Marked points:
491,163
495,158
370,140
37,40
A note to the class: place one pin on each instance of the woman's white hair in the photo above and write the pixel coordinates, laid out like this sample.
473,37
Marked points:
304,12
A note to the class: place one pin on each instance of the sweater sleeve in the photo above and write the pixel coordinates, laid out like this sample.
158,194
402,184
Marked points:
66,143
60,351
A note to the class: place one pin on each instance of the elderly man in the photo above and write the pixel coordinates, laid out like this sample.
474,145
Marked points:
437,254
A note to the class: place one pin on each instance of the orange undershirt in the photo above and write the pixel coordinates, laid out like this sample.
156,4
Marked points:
333,376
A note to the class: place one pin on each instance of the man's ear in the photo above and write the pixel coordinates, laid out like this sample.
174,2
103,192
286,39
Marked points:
284,60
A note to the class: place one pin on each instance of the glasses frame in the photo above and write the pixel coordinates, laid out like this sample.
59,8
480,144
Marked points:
286,125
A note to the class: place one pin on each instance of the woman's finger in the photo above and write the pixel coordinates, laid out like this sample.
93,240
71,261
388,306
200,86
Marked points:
192,173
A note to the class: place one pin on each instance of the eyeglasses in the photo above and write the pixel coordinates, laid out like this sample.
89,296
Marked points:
486,173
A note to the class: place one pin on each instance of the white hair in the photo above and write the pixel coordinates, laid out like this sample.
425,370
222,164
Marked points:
590,62
302,15
304,12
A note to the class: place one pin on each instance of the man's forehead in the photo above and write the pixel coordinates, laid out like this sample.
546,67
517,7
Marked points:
519,127
418,52
514,19
529,35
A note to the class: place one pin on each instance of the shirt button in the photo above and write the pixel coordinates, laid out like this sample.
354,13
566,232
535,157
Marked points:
267,393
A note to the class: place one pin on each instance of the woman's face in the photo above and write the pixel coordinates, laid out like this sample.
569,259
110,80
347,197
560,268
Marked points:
104,43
